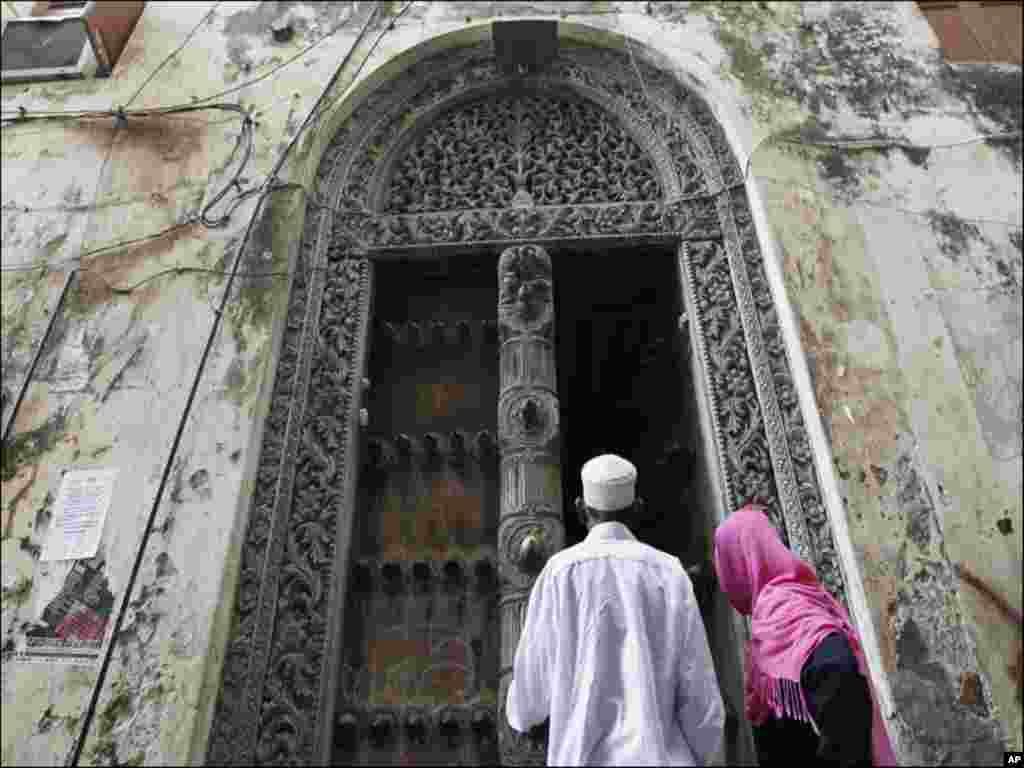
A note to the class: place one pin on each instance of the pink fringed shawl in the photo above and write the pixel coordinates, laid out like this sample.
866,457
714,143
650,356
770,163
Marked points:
790,615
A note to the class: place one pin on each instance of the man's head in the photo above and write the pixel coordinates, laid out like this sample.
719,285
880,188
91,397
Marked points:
609,491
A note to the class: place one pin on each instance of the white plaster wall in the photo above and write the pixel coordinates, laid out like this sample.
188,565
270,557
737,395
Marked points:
900,291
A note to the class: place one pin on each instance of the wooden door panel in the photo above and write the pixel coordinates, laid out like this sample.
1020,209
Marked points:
421,647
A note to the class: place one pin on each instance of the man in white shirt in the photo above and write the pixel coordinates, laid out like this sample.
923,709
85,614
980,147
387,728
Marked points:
613,649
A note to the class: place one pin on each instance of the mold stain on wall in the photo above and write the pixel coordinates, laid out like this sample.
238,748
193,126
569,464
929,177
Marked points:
863,395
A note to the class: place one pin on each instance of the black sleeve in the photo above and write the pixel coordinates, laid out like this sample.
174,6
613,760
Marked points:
840,703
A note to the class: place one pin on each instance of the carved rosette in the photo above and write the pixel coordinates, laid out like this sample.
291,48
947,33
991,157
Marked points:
531,527
527,419
537,521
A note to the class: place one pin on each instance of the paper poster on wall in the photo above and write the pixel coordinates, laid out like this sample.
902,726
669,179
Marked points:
70,626
78,514
72,598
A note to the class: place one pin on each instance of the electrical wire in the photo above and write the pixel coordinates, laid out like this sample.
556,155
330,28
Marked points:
102,249
184,270
184,185
103,168
639,74
23,115
35,358
247,132
248,83
54,266
173,53
51,266
849,144
203,217
874,143
909,211
881,142
247,138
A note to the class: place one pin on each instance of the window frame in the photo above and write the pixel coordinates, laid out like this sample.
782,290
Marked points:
108,26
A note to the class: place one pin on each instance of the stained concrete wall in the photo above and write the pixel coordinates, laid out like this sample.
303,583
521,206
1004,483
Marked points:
898,268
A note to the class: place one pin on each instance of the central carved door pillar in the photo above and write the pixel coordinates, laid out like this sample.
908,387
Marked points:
531,527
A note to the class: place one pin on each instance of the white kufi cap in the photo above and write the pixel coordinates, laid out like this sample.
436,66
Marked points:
609,483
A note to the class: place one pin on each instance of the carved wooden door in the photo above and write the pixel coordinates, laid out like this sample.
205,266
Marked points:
458,507
420,651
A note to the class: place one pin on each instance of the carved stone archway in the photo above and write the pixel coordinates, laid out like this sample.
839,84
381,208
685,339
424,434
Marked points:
280,666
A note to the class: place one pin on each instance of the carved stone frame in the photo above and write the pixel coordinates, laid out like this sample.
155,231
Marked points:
276,700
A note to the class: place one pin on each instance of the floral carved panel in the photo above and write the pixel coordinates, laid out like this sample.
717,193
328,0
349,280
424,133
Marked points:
529,149
556,223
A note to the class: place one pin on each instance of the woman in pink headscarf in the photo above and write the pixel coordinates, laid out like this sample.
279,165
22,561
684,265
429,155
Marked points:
807,690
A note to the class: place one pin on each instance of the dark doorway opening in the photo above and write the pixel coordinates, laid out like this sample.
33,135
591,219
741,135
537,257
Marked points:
624,387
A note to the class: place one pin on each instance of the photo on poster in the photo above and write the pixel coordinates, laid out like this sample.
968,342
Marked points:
72,600
71,627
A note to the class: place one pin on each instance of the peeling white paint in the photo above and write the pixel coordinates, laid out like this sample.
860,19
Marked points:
72,374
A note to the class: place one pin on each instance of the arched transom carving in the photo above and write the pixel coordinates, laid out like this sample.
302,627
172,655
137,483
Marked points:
581,150
521,149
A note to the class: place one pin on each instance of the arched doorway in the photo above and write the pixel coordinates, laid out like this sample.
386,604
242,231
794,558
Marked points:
451,164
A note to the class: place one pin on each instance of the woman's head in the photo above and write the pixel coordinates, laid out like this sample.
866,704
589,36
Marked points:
749,554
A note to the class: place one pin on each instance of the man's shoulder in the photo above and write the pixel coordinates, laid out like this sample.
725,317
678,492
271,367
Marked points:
632,550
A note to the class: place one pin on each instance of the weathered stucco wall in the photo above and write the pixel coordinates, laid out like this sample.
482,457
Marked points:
902,266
